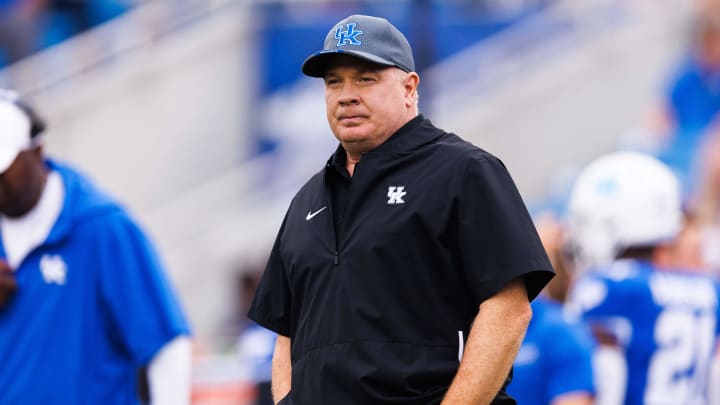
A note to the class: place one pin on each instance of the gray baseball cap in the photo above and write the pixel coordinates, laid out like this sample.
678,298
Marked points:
370,38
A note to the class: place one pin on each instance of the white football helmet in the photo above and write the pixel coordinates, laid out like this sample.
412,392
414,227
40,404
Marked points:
621,200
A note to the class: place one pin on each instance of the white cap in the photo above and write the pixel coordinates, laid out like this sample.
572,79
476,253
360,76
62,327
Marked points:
14,133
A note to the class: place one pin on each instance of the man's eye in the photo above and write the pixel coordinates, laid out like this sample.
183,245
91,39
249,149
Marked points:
366,79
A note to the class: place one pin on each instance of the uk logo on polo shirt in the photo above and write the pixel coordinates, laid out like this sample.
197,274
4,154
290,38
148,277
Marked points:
395,195
53,269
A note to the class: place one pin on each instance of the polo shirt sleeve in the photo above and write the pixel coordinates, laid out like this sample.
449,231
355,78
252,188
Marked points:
271,305
142,309
497,239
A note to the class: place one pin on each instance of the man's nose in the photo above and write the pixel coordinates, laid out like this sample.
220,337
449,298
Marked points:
348,95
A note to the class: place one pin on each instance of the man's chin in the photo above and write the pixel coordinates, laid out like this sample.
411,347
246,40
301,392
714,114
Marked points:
352,137
356,145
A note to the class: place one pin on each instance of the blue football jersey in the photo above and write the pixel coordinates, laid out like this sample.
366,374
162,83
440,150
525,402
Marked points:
555,357
665,321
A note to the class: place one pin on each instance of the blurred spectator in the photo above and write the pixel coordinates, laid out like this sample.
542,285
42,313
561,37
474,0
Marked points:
27,26
679,131
21,28
676,131
688,128
694,93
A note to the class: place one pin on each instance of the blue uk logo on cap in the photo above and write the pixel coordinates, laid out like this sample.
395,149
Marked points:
373,39
349,36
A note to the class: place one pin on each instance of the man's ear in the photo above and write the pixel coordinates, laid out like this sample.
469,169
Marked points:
37,152
412,80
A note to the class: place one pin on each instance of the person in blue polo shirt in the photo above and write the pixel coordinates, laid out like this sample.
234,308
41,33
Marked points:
554,365
84,303
404,269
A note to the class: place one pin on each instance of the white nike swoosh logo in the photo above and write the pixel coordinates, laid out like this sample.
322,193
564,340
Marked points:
310,215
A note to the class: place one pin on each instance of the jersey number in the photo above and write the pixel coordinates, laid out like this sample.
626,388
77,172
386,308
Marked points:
679,368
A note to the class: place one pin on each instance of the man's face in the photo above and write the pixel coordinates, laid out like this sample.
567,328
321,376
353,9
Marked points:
366,103
22,183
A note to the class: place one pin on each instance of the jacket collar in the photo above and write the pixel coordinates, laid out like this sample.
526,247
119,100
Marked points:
416,132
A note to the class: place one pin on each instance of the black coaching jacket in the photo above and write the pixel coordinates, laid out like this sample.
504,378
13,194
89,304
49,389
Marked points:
433,227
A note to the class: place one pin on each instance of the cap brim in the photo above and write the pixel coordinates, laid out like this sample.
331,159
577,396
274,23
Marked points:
14,133
316,64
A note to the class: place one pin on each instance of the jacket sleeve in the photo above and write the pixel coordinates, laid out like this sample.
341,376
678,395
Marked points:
497,240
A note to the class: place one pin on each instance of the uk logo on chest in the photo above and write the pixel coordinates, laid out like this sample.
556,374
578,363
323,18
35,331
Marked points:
53,269
396,195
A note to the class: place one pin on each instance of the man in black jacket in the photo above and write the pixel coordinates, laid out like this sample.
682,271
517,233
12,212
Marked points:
403,270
